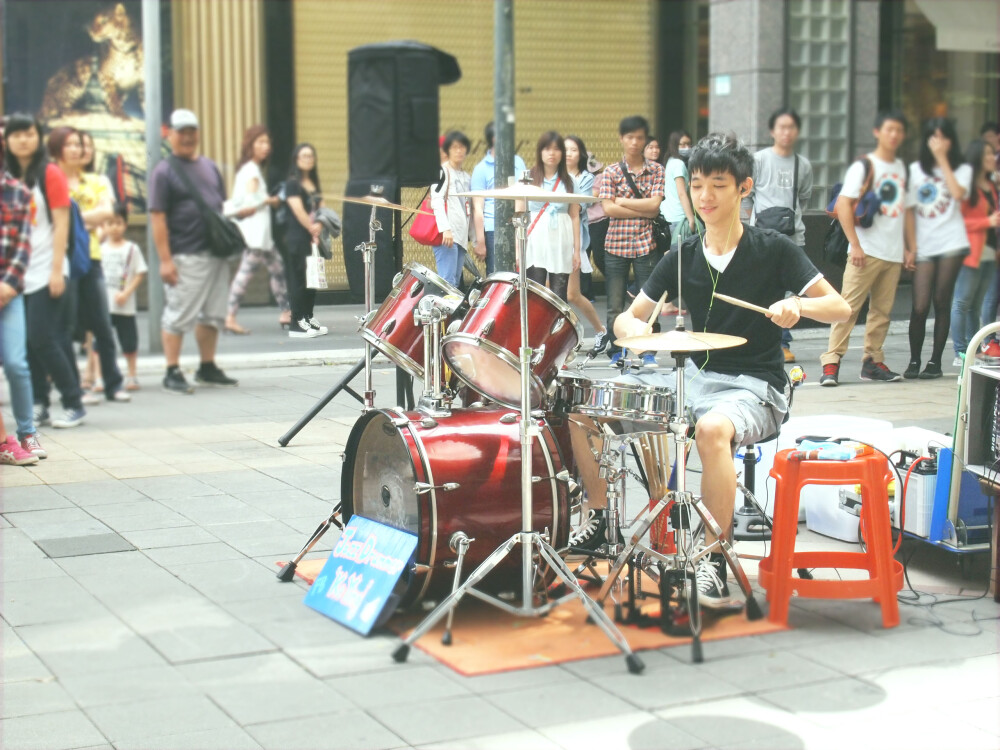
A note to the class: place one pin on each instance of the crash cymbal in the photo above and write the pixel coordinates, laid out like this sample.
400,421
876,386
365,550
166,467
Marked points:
522,192
679,341
377,201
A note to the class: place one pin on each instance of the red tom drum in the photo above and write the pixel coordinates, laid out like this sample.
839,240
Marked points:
392,330
397,465
482,349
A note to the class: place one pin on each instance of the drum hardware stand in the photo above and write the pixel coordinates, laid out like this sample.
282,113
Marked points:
431,313
750,522
532,543
459,544
368,400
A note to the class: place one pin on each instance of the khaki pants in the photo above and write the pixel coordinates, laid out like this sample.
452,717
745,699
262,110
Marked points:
877,278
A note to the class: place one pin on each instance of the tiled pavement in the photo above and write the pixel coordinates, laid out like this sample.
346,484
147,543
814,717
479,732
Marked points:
140,608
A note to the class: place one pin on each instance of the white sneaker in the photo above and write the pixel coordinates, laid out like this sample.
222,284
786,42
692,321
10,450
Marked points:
302,330
89,398
316,326
122,396
958,362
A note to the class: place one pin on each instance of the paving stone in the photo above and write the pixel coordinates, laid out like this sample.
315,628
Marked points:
636,731
146,721
171,557
229,580
127,685
346,730
448,719
415,685
53,731
92,544
34,697
774,669
106,492
232,738
234,482
36,497
188,643
20,569
165,488
538,707
48,600
60,522
175,537
101,645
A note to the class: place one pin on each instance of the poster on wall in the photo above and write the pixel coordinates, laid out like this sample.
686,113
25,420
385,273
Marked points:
80,63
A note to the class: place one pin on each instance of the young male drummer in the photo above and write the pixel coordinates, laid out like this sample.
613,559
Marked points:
736,395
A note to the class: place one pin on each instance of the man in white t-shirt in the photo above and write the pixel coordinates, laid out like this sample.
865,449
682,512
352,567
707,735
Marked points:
875,258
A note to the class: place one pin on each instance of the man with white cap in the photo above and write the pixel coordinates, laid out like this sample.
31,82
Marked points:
196,282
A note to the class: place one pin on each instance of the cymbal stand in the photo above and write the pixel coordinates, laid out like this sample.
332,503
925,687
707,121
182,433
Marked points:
532,542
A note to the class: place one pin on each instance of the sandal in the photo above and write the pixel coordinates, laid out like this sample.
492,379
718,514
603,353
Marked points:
237,330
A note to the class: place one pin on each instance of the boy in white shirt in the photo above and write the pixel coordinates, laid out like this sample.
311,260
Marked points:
124,271
875,258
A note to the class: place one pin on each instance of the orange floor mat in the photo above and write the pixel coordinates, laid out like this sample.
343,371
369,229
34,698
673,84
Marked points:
486,640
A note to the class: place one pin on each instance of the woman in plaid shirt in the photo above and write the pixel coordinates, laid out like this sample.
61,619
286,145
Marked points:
15,250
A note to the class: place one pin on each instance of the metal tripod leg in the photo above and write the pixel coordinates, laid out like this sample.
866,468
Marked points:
327,398
622,560
459,543
287,571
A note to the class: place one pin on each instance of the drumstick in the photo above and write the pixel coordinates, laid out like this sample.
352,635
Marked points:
741,303
656,313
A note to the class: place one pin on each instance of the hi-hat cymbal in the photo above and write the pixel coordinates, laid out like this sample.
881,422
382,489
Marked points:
679,341
519,191
377,201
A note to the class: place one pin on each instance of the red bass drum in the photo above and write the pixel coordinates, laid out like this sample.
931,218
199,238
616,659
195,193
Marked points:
392,455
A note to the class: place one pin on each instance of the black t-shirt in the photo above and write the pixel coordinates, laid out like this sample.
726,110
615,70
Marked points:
764,266
297,237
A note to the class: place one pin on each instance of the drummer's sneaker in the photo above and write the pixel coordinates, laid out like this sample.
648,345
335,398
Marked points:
600,342
710,575
315,325
649,360
302,330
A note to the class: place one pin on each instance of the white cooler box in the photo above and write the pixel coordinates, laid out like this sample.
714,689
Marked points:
878,432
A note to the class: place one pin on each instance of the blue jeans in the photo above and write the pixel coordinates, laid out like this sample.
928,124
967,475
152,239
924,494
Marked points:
974,290
449,262
14,346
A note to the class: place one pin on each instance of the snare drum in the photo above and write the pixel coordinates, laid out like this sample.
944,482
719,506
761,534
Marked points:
571,389
392,330
483,348
629,402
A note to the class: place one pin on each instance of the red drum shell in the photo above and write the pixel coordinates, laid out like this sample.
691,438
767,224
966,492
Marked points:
479,448
392,330
483,350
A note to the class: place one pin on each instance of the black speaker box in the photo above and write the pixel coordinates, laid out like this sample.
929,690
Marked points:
392,95
355,231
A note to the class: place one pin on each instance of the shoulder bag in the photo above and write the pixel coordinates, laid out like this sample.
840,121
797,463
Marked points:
223,235
424,228
780,218
661,227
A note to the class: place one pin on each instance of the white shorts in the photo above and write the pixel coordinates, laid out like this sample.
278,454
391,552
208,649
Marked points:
199,296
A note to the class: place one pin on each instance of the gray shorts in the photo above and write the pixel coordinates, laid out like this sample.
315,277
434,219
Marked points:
755,407
199,296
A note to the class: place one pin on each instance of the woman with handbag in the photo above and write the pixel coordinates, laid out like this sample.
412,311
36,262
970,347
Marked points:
303,196
95,200
936,238
251,206
583,182
451,212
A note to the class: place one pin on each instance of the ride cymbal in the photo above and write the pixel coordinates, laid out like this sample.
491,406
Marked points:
378,202
679,341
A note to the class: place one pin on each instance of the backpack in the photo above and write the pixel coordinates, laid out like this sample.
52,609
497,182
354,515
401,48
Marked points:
835,243
78,243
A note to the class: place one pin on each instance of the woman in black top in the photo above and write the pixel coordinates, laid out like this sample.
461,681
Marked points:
302,193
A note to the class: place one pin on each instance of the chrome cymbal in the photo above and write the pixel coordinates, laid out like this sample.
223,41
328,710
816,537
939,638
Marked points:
377,201
522,192
679,341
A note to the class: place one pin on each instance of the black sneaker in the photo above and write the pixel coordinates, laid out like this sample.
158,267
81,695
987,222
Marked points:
40,416
210,374
830,376
872,370
710,575
175,382
912,370
931,370
601,340
591,534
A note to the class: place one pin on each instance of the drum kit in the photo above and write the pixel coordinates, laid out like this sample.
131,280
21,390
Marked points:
474,482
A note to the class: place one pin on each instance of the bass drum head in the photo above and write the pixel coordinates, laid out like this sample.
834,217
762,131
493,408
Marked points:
378,482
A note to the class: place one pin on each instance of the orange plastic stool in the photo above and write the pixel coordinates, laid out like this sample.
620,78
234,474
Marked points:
872,472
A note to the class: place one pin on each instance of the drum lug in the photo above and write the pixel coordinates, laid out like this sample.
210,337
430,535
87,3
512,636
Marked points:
417,289
388,328
509,293
536,357
488,328
474,296
510,418
422,488
428,424
482,302
557,326
454,326
400,422
364,320
397,278
571,356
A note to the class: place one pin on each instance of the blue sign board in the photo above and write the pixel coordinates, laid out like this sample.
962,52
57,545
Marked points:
356,583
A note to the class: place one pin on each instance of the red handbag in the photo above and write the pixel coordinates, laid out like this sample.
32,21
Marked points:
424,228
